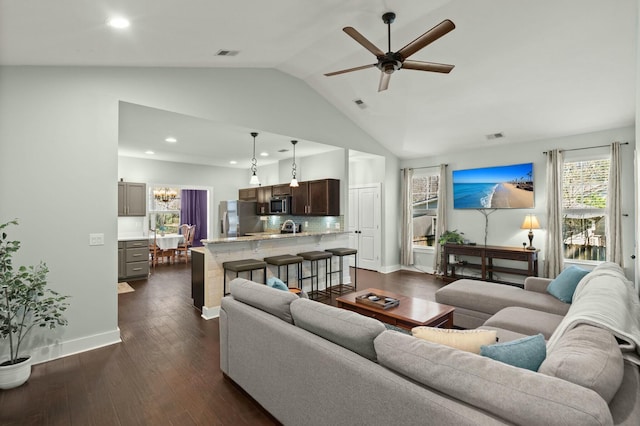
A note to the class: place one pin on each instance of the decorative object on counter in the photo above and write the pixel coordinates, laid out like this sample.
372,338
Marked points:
530,223
165,195
26,303
254,163
294,181
454,237
486,214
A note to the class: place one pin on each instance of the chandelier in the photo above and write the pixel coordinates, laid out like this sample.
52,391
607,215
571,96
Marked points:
164,195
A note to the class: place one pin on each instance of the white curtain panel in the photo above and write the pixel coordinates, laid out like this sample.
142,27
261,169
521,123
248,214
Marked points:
441,224
614,214
406,249
555,256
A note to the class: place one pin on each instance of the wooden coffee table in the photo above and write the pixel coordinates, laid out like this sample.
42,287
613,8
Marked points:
411,312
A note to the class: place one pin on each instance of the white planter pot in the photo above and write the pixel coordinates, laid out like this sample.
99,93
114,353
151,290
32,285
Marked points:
12,376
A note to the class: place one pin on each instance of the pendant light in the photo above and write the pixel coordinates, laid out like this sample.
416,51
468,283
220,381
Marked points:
254,163
294,181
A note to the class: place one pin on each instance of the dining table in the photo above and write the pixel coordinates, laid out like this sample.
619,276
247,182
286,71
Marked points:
167,243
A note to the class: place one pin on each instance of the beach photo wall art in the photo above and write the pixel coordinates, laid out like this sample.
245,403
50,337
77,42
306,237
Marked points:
499,187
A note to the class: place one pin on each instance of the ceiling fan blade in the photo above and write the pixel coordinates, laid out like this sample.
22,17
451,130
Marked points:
427,66
329,74
384,81
354,34
429,37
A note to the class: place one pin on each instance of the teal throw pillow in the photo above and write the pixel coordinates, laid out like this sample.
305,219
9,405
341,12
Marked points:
277,283
528,352
564,285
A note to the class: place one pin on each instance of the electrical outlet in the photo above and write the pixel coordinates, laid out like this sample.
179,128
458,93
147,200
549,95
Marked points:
96,239
337,225
328,225
306,224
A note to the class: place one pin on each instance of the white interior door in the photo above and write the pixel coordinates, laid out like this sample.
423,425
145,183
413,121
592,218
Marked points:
364,225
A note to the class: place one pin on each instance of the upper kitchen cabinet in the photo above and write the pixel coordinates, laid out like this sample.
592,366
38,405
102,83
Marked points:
132,199
264,196
316,198
283,189
248,194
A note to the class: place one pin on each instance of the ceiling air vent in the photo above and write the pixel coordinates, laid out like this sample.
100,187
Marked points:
227,53
360,103
495,136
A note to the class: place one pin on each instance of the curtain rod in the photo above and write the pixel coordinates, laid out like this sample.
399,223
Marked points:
425,167
587,147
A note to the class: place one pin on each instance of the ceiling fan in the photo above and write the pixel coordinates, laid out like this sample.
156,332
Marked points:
393,61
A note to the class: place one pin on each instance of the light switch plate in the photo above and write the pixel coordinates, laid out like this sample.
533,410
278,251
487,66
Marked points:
96,239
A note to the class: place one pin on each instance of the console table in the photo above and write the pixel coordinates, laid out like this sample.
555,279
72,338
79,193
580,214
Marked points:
486,256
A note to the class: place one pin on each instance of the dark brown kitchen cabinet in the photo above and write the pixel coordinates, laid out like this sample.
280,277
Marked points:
132,199
248,194
264,196
283,189
316,198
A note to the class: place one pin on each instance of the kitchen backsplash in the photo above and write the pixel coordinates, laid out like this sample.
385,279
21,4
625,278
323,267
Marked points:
308,223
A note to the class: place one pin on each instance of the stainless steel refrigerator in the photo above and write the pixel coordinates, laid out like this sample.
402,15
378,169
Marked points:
237,218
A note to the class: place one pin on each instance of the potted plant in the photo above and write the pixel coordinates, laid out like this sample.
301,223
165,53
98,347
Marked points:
451,237
25,303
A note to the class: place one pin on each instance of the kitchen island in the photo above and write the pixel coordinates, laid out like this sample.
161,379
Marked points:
258,246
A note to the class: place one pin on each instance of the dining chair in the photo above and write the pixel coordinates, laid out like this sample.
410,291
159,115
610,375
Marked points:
154,250
187,243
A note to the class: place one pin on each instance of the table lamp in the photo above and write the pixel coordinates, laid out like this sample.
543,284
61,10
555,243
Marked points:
530,223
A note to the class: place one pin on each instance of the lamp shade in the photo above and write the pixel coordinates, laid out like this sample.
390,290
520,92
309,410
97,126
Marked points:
530,222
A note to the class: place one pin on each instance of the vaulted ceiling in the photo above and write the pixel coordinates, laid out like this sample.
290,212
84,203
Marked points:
526,69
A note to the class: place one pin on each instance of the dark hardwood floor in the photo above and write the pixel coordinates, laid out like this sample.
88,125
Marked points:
165,371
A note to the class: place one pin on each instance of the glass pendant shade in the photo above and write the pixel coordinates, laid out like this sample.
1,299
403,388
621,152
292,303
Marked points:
294,183
254,180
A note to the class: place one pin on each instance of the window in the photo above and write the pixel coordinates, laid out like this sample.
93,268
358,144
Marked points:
164,211
425,207
584,202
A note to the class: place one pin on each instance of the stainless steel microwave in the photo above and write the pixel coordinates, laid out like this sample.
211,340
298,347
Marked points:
280,205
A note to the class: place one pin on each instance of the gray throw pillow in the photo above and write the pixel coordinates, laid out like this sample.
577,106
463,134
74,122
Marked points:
345,328
588,356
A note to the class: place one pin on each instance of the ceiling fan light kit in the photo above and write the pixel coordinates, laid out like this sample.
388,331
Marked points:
391,61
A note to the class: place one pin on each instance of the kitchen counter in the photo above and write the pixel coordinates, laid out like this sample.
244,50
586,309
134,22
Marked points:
258,246
132,238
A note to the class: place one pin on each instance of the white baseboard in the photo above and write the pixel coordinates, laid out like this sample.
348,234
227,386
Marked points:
426,270
210,313
389,269
72,347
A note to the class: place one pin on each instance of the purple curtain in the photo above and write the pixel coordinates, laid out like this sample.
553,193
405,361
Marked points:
193,204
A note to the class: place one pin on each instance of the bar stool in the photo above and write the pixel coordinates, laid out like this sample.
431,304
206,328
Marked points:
341,252
313,257
243,265
286,260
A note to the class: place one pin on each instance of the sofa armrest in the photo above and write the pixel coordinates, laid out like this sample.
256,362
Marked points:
536,284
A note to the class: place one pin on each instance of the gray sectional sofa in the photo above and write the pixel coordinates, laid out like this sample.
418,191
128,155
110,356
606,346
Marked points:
311,364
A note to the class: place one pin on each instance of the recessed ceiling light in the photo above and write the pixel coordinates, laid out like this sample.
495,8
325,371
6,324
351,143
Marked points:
264,154
171,140
149,152
118,22
233,162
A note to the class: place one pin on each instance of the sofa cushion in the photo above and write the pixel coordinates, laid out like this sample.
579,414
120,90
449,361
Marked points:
520,396
489,297
525,321
564,285
527,352
340,326
466,340
588,356
260,296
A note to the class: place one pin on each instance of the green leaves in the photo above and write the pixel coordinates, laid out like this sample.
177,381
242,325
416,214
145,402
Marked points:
25,300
